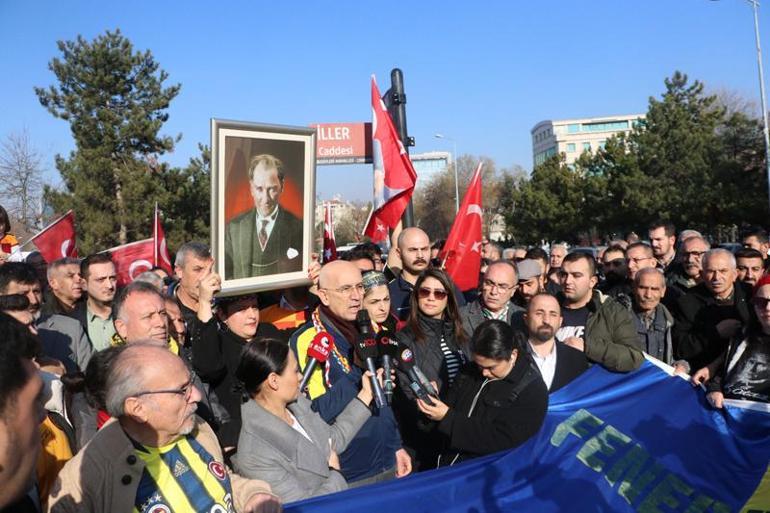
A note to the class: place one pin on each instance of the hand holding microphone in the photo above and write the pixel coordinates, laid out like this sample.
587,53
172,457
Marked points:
418,383
366,347
318,352
388,351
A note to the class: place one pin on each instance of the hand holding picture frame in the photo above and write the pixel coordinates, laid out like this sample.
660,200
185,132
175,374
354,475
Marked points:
262,194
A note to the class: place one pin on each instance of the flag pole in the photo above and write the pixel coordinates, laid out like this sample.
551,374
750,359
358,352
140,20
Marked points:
38,234
155,237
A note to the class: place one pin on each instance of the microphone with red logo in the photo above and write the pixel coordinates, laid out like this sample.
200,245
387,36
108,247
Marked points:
366,347
388,350
418,383
318,352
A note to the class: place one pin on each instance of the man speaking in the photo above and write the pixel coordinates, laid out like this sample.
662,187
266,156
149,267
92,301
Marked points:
267,239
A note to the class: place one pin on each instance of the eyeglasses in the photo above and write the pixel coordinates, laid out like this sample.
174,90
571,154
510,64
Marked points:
617,262
347,290
502,287
425,292
185,391
760,302
688,254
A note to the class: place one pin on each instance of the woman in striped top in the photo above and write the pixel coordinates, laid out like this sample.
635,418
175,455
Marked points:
435,335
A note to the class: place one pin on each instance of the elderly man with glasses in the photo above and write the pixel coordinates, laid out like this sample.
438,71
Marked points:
497,288
376,453
155,454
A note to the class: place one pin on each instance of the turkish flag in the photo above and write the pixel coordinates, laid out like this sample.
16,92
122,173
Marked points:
161,257
330,244
462,251
132,259
394,175
57,240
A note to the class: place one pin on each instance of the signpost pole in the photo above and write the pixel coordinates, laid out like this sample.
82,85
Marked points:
395,101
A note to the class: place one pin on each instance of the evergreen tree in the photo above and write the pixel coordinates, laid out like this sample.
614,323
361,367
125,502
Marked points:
115,102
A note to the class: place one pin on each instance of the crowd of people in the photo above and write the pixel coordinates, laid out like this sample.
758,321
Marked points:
164,396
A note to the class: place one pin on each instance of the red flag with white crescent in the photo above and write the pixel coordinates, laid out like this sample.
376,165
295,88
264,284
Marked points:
57,240
394,175
161,256
462,250
330,244
132,259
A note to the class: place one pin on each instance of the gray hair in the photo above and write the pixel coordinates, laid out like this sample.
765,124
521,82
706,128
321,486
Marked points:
697,237
508,253
720,251
152,278
688,234
122,295
559,245
649,270
125,377
198,249
56,264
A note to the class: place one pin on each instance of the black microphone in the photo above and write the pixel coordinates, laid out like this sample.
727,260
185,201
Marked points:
318,351
366,347
419,384
388,349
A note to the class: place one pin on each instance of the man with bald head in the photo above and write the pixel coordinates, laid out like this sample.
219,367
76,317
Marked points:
497,288
413,248
375,454
558,363
711,312
152,399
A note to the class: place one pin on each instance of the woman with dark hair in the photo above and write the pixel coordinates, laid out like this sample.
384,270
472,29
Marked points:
435,335
282,440
497,404
377,301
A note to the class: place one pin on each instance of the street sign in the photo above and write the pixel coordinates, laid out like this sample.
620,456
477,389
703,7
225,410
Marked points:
343,143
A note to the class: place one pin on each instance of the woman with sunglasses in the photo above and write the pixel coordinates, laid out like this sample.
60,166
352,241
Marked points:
497,404
435,335
743,372
282,440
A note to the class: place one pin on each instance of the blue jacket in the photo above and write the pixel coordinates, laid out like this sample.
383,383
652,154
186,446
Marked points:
373,449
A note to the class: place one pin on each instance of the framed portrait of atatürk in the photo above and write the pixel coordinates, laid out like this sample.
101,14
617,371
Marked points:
262,195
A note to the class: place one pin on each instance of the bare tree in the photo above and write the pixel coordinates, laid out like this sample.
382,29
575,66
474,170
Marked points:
21,179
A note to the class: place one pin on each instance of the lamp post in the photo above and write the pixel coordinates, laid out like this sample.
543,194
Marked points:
765,130
454,158
755,5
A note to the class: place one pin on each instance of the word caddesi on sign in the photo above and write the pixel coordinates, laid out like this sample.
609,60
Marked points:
343,143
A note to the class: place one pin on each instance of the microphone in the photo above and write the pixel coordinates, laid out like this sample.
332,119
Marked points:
318,351
366,347
419,384
388,349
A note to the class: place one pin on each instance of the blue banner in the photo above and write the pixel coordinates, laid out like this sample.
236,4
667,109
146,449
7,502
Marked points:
643,441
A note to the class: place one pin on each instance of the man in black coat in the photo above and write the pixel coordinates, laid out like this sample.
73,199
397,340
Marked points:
267,239
558,363
712,312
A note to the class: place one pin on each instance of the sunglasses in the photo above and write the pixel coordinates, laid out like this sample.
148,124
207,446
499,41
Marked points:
425,292
760,302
